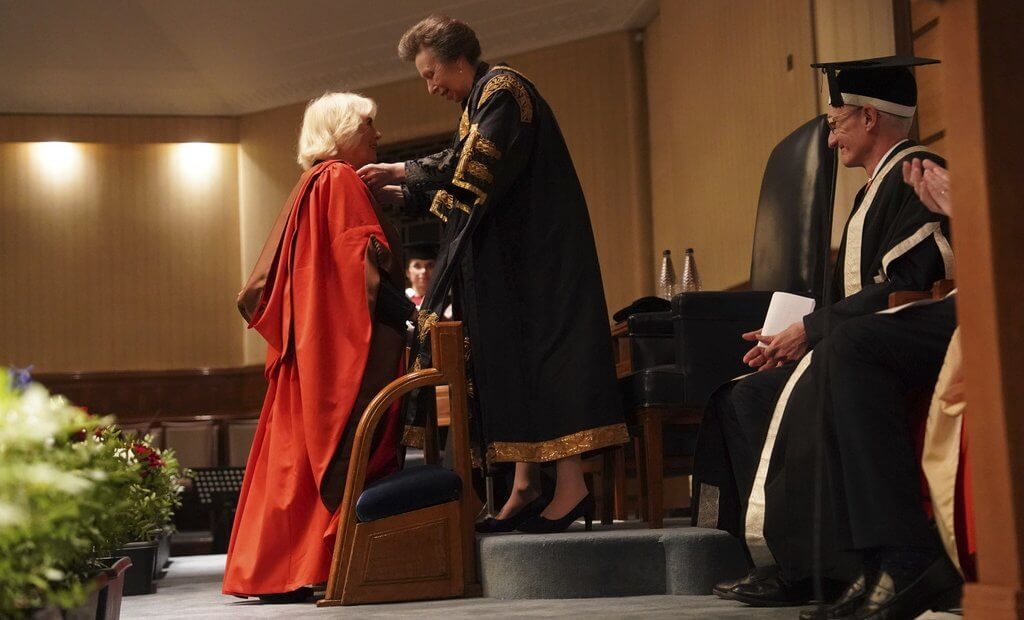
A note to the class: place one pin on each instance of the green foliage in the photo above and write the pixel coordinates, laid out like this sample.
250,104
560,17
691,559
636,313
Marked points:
155,492
71,490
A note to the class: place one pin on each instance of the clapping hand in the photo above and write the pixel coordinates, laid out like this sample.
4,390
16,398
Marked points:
931,184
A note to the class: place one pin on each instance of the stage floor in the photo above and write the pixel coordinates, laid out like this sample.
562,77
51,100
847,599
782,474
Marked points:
191,589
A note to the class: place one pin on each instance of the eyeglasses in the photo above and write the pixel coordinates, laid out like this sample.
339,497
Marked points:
833,123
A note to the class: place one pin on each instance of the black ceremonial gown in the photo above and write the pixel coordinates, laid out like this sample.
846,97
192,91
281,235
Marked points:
518,253
757,454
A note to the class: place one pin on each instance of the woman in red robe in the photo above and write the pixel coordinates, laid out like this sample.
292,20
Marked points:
326,294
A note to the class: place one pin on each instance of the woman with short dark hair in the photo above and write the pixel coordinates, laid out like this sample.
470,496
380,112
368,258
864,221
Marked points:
518,253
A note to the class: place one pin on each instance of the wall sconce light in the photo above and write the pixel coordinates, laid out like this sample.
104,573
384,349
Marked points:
196,160
57,161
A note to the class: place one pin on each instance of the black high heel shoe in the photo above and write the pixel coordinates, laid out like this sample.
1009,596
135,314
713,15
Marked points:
540,525
490,525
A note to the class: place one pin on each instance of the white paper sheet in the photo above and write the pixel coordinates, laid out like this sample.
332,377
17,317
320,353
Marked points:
784,310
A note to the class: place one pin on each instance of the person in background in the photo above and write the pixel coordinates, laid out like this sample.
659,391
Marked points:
420,259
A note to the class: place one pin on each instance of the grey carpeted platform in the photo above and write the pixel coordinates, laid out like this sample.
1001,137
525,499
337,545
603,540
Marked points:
618,560
191,589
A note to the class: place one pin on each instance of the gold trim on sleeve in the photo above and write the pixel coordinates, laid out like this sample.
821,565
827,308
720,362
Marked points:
480,171
515,87
554,449
425,322
464,124
442,199
413,436
470,168
488,148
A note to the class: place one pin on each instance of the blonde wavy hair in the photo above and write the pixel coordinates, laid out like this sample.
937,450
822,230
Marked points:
330,124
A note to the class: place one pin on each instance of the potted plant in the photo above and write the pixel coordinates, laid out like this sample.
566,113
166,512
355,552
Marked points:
153,495
61,494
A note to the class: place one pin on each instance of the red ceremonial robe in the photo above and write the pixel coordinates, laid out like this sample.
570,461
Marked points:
326,357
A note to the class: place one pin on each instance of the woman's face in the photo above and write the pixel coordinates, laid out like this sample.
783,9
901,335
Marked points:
364,146
451,81
419,273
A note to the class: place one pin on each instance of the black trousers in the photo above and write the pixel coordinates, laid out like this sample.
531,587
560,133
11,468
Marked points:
729,447
875,363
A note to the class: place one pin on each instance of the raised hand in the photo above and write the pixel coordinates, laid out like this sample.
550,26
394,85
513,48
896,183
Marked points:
931,184
377,176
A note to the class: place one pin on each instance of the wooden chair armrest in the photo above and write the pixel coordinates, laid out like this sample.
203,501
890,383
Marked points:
898,298
620,348
941,288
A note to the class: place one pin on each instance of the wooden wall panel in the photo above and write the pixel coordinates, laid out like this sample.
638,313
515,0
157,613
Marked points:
118,256
117,129
927,42
721,96
595,87
847,30
982,88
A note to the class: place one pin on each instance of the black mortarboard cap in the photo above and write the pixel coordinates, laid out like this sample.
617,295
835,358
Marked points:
885,83
421,250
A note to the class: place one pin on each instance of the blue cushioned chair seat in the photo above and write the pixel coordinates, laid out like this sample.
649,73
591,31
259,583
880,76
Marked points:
408,490
655,386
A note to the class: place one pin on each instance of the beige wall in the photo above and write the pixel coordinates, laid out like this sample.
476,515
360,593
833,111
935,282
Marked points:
595,87
720,98
125,265
118,253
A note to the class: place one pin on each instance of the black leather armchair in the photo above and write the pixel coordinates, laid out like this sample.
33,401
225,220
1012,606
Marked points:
680,357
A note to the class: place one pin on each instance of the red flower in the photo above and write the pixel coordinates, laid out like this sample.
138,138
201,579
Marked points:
149,458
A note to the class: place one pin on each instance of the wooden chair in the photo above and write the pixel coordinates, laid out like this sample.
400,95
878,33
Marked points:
423,553
790,253
939,289
240,437
647,420
196,442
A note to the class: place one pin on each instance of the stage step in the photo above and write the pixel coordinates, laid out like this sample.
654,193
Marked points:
623,559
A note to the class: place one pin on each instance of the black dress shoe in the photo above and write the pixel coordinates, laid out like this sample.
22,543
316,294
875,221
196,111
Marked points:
295,596
540,525
772,591
938,587
848,602
490,525
724,588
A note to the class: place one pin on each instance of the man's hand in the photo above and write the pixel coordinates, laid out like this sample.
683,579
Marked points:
931,184
377,176
789,345
755,357
389,195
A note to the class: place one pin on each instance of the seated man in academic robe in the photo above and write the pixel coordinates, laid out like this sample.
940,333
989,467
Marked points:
760,443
